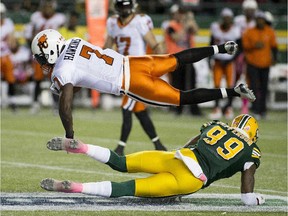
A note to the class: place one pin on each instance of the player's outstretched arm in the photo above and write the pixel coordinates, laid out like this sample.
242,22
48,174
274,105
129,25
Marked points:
248,197
65,109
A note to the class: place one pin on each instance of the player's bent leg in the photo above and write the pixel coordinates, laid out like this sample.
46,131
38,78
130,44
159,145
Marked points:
167,184
202,95
153,91
152,65
117,162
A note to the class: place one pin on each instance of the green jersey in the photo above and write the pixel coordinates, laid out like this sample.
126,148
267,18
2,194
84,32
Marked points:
222,151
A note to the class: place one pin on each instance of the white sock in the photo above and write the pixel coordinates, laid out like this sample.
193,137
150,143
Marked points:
224,93
103,188
98,153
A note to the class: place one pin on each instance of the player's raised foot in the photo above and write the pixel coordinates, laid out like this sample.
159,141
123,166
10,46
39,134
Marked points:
245,92
70,145
231,47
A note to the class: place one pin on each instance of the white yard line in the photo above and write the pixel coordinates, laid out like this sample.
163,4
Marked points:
64,169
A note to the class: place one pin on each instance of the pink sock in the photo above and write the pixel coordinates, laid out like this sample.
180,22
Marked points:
75,188
83,148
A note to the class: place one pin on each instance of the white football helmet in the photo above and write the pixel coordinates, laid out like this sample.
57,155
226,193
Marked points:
249,4
47,46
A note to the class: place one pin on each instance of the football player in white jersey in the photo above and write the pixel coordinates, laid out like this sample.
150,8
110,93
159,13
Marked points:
244,21
7,68
45,18
131,33
223,65
77,63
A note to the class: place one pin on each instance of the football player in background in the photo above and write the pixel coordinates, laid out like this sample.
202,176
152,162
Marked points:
244,21
131,33
218,152
45,18
77,63
21,59
223,65
7,39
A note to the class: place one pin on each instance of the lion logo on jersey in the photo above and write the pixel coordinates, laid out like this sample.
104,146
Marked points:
42,42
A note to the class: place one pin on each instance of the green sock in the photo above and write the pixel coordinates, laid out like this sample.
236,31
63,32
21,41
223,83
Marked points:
123,189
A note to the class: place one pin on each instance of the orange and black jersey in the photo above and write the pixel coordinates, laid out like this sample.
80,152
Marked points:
222,151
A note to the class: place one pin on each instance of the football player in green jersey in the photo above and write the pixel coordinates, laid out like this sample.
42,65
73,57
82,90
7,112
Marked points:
218,152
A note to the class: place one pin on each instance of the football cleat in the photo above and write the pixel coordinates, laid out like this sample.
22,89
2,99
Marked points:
70,145
231,47
55,185
245,92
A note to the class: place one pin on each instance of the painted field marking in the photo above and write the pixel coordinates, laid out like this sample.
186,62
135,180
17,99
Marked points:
78,202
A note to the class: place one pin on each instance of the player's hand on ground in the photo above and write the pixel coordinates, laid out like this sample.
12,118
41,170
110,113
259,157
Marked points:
260,199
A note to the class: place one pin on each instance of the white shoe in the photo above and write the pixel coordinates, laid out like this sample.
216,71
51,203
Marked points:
245,92
216,114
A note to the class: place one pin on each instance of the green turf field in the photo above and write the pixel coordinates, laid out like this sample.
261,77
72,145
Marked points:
25,159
